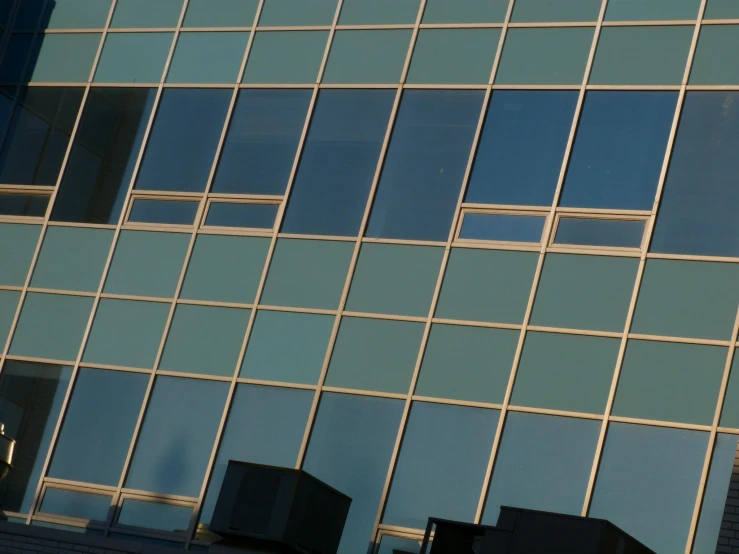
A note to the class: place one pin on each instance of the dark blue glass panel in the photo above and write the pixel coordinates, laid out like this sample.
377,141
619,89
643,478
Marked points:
262,140
31,205
425,164
700,202
522,147
600,232
338,162
183,142
512,228
168,212
619,150
257,216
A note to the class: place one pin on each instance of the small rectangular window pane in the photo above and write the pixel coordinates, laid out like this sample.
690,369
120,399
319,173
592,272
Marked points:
254,216
367,56
213,57
77,14
297,12
546,10
378,12
220,13
502,227
721,9
660,10
17,250
63,58
615,233
710,66
154,515
465,11
133,58
76,504
145,13
8,305
29,205
166,212
292,57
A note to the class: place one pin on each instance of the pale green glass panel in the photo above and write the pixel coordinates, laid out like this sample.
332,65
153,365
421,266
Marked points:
225,269
712,65
367,57
721,9
465,11
395,279
17,246
78,14
297,12
220,13
565,372
656,10
670,381
72,258
278,57
453,56
207,57
146,13
126,333
641,55
487,285
467,363
307,273
65,58
375,354
147,263
51,326
730,413
584,292
8,306
544,56
133,58
288,347
548,10
687,299
378,12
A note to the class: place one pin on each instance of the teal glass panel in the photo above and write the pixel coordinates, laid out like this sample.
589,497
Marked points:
8,306
207,57
553,480
288,347
297,12
544,56
379,12
467,363
367,57
390,544
487,285
687,299
546,10
78,14
51,326
375,354
205,339
133,58
64,58
465,11
721,9
225,269
145,13
278,57
730,413
641,55
656,10
220,13
711,65
154,515
126,333
565,372
584,292
647,482
76,504
72,258
670,381
307,273
453,56
147,263
17,246
395,279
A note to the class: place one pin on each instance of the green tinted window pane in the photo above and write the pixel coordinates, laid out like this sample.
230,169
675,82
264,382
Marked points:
378,12
657,10
225,269
730,413
17,246
8,305
207,57
367,56
147,263
565,372
465,11
133,58
544,56
78,14
721,9
72,258
285,57
220,13
297,12
467,363
641,55
154,515
51,326
145,13
546,10
687,299
307,273
76,504
487,285
289,347
374,354
126,333
584,292
711,65
205,339
670,381
395,279
65,58
453,56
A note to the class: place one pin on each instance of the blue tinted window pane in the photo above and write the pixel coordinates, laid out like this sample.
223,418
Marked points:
262,140
700,201
521,125
514,228
257,216
350,449
30,205
183,141
600,232
425,164
338,163
153,515
619,150
163,211
76,504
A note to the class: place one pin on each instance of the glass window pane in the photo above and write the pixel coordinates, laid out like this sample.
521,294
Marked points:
730,413
352,432
297,12
262,140
285,57
379,12
180,425
13,62
615,233
254,216
165,212
183,141
93,449
220,13
64,58
155,515
31,205
338,162
502,227
70,503
103,155
545,10
425,164
29,12
367,57
375,354
390,544
721,9
659,10
565,372
17,250
77,14
647,482
207,57
133,58
145,13
8,305
434,437
465,11
710,66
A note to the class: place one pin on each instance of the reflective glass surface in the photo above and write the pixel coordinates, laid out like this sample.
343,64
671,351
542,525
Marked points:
165,212
600,232
257,216
502,227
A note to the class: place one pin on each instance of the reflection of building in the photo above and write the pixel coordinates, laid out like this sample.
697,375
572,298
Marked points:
443,254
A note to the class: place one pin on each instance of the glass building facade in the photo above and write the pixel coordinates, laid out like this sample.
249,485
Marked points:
445,255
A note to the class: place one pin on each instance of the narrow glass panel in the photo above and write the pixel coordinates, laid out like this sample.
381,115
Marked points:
133,58
153,515
367,56
213,57
255,216
77,14
730,411
8,305
165,212
63,58
721,9
502,227
545,10
13,62
660,10
285,57
395,545
710,66
617,233
145,13
465,11
29,205
220,13
17,250
76,504
297,12
378,12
